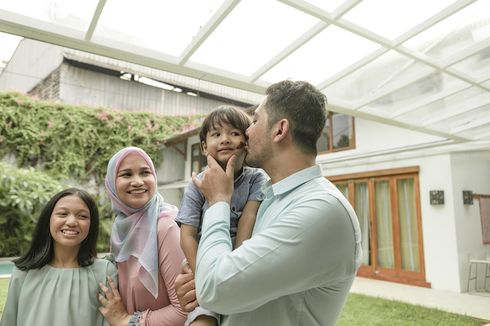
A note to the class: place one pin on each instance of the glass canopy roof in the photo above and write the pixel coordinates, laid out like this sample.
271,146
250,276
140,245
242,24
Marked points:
418,64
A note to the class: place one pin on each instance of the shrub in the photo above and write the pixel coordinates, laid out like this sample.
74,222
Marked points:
67,143
23,193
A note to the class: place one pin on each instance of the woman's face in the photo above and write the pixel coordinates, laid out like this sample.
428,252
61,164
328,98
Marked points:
70,222
135,184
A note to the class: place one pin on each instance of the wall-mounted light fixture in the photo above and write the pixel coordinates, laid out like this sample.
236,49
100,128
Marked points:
437,197
467,197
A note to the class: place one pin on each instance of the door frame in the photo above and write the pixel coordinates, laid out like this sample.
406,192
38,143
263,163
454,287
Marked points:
397,274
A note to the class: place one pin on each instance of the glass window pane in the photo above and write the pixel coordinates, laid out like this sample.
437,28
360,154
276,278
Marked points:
342,130
322,143
409,245
361,206
384,226
344,189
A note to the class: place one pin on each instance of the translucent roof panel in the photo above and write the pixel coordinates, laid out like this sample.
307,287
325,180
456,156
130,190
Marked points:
477,65
465,120
412,64
477,132
456,33
431,85
75,15
329,6
240,45
439,110
375,78
390,18
326,54
8,44
162,25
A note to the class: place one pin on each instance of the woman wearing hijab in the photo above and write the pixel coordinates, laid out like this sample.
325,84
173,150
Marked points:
145,243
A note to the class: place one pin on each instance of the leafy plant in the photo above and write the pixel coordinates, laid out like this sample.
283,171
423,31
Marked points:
77,142
23,193
71,143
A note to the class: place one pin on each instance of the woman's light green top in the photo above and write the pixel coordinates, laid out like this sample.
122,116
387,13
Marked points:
51,296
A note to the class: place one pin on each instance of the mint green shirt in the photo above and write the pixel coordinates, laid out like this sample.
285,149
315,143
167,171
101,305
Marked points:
297,268
51,296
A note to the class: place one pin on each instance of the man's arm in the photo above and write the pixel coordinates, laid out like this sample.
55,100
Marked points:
246,222
312,244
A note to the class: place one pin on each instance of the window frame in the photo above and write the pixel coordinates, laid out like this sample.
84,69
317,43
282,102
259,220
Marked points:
329,125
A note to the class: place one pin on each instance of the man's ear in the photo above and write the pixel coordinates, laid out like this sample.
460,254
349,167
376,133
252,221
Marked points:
204,148
281,129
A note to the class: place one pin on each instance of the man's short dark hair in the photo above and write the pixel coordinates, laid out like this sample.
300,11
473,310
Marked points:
303,105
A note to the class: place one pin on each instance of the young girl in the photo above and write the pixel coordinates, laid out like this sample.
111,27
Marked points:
56,282
145,244
222,135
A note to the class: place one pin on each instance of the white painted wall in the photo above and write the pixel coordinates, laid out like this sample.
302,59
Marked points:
450,231
470,171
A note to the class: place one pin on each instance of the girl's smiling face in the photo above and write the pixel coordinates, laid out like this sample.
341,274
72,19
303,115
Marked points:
70,222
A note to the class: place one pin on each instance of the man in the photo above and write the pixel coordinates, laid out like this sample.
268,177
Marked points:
300,263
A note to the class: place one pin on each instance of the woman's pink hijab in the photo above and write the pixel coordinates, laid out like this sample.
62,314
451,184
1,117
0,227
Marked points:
134,232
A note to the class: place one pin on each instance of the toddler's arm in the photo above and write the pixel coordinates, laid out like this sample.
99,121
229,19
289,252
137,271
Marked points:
188,243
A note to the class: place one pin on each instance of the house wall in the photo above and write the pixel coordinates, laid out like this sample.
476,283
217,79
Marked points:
32,62
451,231
171,171
470,171
85,87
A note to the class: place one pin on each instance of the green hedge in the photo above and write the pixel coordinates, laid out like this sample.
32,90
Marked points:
66,143
77,142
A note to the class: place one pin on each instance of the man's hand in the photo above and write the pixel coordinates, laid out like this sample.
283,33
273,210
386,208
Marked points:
216,185
186,288
112,305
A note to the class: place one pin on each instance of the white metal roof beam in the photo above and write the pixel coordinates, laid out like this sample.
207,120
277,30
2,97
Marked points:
396,123
312,10
36,33
207,29
387,44
95,20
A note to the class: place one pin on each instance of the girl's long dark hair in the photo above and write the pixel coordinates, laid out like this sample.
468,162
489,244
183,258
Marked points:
41,250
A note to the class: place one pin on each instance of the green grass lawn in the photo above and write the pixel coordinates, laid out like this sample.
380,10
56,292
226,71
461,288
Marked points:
364,310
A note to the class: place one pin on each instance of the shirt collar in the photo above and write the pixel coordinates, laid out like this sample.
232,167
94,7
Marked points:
291,181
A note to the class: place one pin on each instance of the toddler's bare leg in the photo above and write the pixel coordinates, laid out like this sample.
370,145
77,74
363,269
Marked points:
204,321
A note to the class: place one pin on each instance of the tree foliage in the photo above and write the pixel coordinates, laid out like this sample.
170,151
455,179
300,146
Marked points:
57,145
